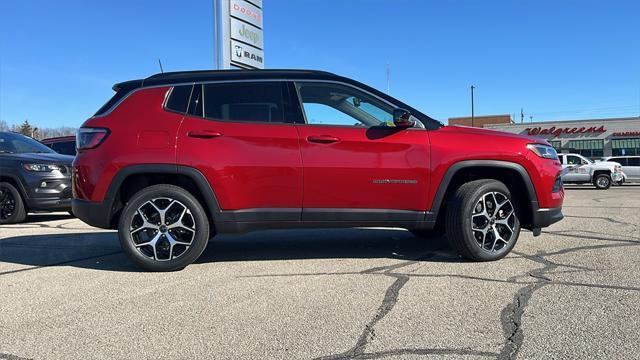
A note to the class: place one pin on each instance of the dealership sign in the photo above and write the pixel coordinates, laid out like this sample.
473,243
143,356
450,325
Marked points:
246,55
239,41
554,131
246,33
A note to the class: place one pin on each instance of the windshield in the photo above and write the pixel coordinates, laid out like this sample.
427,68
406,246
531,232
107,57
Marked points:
12,143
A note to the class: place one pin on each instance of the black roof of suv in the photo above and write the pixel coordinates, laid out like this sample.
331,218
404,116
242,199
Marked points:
185,77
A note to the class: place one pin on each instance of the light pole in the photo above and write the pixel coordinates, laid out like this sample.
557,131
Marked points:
472,109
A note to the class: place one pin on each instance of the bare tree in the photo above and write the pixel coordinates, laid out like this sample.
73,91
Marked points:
37,132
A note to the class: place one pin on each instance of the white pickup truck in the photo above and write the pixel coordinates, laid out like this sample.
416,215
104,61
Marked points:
577,169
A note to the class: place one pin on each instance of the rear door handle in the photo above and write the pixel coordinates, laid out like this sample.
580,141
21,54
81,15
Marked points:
323,139
204,134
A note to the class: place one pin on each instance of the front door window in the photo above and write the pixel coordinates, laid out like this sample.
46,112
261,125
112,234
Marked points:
335,104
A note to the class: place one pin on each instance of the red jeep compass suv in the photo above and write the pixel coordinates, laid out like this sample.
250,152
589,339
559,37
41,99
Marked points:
177,157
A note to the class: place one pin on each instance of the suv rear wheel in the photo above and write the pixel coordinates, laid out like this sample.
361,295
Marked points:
12,208
481,222
163,228
602,181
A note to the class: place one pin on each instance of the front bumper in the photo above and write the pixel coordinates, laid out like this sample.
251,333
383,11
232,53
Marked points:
49,204
617,176
96,214
48,194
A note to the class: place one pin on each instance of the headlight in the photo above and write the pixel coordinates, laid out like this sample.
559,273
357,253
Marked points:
544,151
41,167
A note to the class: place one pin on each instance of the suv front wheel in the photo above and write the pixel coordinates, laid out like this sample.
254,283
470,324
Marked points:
12,208
481,222
163,228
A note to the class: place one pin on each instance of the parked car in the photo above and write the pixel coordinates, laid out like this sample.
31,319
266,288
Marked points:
32,178
177,157
581,170
630,166
62,145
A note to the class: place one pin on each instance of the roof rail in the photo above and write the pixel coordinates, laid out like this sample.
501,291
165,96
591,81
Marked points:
195,73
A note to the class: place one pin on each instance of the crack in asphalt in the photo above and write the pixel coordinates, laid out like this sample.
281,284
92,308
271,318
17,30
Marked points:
511,314
12,357
611,220
412,351
388,302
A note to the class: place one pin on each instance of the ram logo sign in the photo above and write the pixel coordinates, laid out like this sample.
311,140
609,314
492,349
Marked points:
247,56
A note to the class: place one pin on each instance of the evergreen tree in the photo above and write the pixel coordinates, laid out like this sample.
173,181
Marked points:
26,128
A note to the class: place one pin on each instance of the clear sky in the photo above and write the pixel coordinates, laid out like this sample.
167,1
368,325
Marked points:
558,59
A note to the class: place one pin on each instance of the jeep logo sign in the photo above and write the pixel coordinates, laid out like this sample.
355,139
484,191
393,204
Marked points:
246,33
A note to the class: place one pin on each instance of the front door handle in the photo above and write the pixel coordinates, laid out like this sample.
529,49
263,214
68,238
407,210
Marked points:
323,139
204,134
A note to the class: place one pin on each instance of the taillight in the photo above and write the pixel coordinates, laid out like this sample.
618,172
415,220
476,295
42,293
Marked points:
89,138
557,185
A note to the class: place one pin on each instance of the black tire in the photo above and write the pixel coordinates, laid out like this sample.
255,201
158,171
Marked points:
602,181
149,261
458,221
12,209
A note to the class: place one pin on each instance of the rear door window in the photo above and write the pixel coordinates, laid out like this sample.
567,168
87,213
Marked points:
633,162
179,98
245,101
620,160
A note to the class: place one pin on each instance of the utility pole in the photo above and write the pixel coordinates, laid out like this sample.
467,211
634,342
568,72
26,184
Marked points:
216,38
521,115
472,106
388,79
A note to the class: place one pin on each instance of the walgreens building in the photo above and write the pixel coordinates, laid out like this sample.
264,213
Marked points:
591,138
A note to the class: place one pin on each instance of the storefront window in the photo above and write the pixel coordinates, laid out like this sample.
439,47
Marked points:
588,148
625,146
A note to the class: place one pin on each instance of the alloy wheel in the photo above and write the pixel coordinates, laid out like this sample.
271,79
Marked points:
7,204
603,181
162,229
493,221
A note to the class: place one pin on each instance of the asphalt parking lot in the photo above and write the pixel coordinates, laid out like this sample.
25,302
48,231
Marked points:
67,291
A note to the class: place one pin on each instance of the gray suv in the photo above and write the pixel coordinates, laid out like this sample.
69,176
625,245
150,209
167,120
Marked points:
630,166
32,178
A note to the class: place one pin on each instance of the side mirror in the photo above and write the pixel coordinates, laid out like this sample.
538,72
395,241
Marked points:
402,118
